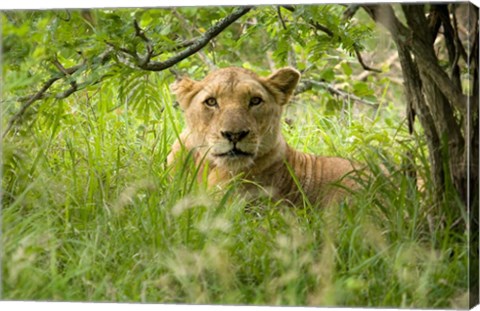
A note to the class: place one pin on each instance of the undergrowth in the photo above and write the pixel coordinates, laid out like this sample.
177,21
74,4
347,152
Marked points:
92,213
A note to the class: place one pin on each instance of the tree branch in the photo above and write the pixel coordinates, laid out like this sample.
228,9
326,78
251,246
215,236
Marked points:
360,60
384,15
290,8
416,19
148,44
191,46
63,72
451,42
308,84
189,29
32,99
198,44
458,42
322,28
350,11
330,33
280,17
40,94
144,63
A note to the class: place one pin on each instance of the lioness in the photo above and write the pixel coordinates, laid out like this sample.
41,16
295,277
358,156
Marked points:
233,127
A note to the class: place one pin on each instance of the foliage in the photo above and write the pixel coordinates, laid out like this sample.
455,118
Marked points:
92,213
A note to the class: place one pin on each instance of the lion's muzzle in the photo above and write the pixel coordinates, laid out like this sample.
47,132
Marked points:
235,137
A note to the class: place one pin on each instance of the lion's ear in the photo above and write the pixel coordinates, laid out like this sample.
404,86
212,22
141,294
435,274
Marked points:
285,80
183,90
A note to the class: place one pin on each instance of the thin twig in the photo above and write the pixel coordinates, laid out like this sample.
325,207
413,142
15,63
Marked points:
292,59
63,72
68,92
139,32
290,8
281,18
200,43
32,99
307,84
350,11
122,49
189,29
192,47
148,44
330,33
387,63
320,27
360,60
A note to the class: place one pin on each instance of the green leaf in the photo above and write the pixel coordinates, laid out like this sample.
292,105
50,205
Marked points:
362,89
328,75
347,70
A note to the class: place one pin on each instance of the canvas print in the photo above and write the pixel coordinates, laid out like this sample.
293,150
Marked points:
276,155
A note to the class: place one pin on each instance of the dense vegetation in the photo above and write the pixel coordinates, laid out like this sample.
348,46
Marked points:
92,213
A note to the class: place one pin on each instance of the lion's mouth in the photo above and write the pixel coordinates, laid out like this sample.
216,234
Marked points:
234,153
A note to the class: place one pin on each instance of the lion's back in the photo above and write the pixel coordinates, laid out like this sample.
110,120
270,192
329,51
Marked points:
321,179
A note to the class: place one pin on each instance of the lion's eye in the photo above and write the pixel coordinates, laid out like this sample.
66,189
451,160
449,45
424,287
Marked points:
211,102
254,101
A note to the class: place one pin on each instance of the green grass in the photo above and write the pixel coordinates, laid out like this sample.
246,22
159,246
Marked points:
92,213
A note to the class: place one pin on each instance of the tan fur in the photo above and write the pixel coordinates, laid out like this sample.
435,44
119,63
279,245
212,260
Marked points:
266,157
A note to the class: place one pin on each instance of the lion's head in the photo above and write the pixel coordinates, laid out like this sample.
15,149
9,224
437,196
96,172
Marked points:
233,114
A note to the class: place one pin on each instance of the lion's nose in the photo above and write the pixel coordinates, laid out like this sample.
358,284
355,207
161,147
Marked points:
235,137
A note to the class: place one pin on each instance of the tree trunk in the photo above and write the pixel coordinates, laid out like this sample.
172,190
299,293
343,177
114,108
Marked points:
446,109
446,106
